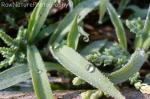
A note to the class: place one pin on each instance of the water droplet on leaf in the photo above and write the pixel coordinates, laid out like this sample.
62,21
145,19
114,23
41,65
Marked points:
90,68
40,71
119,16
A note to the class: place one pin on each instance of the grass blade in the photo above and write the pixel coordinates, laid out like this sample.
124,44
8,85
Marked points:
38,18
146,44
73,36
14,75
85,70
39,75
118,26
147,23
102,9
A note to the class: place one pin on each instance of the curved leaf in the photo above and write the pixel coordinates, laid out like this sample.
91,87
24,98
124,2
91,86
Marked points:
133,66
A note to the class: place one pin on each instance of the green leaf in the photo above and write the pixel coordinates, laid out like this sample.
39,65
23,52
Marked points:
4,63
137,11
54,66
39,75
147,23
85,70
38,18
122,6
6,38
102,9
45,32
82,9
73,36
14,75
93,47
136,26
147,79
76,2
7,51
133,66
118,26
146,44
84,34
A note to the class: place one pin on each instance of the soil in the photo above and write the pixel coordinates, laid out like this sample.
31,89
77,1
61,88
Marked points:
127,92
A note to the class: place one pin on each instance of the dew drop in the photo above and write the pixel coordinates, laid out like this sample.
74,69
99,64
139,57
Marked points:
40,71
90,68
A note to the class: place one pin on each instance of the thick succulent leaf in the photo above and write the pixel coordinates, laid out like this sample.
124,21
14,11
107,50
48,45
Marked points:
82,9
118,26
133,66
73,36
14,75
102,9
38,18
85,70
38,73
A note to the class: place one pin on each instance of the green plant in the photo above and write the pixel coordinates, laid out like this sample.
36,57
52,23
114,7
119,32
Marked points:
63,43
61,53
16,53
